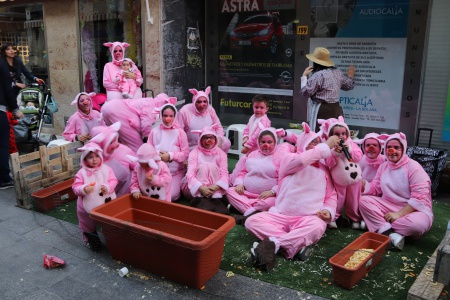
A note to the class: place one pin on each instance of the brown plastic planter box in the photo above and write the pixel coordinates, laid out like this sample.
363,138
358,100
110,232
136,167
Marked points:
53,196
178,242
347,278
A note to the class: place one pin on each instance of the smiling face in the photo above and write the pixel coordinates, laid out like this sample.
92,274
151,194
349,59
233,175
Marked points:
118,53
201,104
208,141
92,160
267,143
168,115
260,109
394,150
84,104
372,148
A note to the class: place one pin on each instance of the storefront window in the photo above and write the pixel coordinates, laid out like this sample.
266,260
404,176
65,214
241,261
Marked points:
23,27
104,21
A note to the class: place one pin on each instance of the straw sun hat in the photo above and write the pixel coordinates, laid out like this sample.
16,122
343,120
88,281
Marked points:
321,56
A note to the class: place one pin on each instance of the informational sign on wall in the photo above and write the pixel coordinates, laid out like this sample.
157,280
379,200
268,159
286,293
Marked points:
370,35
256,55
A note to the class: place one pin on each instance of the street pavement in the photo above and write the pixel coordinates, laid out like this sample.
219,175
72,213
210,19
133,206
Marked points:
26,235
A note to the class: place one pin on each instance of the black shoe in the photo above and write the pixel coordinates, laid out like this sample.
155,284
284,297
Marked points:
343,222
305,253
263,255
93,242
6,185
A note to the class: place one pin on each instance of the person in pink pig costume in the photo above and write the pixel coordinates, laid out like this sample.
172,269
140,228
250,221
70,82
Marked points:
136,116
114,155
346,173
306,201
372,158
170,141
80,124
206,180
397,202
256,185
94,185
260,105
199,114
151,177
111,69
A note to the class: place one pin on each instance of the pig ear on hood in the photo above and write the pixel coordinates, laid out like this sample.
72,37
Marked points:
193,91
208,90
196,131
306,128
132,158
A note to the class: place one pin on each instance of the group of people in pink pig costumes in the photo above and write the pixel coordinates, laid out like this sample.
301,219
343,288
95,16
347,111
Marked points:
286,194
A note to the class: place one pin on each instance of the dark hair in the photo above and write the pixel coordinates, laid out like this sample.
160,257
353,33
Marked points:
168,106
266,132
317,67
3,53
260,98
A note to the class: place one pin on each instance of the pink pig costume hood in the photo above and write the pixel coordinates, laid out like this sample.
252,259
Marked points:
197,94
105,135
113,45
372,135
208,130
86,149
146,154
77,97
305,138
170,103
328,124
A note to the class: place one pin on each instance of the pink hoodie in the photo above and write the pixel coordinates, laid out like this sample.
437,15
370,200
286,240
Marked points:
215,160
98,177
369,166
104,136
403,182
79,123
159,186
297,196
112,68
172,139
252,130
190,119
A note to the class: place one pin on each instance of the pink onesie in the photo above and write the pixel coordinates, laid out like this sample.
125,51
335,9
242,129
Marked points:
79,123
259,173
251,131
346,175
126,85
98,177
206,167
190,119
159,186
136,115
112,68
116,159
173,140
394,186
292,223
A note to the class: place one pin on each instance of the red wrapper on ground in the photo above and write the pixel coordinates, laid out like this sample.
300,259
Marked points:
51,261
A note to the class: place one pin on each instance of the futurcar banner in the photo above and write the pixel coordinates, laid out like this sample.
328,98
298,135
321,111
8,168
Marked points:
256,55
372,36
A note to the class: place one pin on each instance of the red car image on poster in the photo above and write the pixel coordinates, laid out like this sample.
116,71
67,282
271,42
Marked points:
263,31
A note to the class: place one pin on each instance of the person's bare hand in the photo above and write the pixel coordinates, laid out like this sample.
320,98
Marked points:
266,194
103,189
363,185
244,140
88,189
244,150
19,114
164,155
239,189
21,85
129,75
213,188
308,71
391,217
84,137
333,141
351,71
136,195
324,215
205,191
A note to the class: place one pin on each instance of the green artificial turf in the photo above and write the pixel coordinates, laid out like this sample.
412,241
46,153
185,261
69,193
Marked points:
390,279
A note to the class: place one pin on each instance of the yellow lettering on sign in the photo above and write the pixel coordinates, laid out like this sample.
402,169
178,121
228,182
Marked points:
302,30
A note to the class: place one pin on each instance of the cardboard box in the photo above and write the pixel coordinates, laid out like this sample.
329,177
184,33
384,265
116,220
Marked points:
178,242
346,277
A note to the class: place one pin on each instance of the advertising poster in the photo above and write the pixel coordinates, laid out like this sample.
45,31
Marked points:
372,36
256,55
446,130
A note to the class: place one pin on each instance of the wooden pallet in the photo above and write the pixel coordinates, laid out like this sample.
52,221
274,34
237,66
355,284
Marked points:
43,168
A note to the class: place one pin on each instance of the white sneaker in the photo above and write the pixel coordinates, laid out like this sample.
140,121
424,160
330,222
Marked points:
363,225
397,240
356,225
332,225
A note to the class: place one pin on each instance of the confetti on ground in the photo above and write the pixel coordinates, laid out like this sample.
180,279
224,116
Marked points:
229,274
